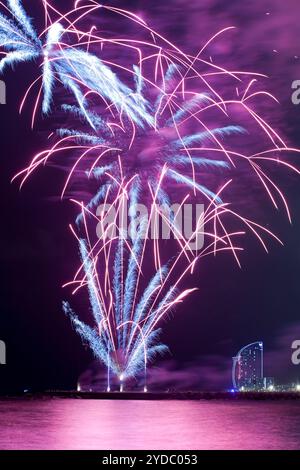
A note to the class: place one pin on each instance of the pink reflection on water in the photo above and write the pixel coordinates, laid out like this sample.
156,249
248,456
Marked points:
112,424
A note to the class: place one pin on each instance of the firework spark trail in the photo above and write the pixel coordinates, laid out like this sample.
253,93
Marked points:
73,67
136,140
112,314
176,152
171,161
132,314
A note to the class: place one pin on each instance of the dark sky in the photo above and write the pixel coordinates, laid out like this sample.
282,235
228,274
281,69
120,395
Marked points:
232,307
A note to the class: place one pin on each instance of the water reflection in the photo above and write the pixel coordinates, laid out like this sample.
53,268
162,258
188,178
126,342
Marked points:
113,424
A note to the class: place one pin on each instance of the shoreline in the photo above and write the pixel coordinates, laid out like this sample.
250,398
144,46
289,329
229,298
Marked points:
155,396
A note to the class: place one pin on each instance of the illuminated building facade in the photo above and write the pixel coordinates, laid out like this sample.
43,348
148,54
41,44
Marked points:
248,368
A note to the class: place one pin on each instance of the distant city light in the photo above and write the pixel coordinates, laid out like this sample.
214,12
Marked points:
271,388
298,387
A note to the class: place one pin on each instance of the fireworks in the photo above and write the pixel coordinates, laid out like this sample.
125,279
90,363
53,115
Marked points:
162,135
74,68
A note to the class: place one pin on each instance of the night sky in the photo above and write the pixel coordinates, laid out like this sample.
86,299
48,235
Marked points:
233,306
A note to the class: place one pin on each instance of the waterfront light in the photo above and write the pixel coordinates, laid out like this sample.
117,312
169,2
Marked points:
121,383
